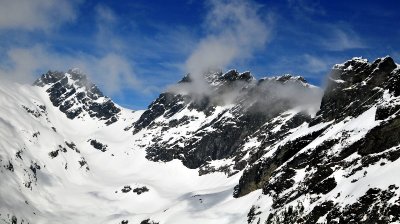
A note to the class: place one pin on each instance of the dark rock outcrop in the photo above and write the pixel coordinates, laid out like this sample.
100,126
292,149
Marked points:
98,145
74,94
255,103
353,88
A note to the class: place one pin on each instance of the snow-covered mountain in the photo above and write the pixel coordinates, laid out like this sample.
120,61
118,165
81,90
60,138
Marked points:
274,150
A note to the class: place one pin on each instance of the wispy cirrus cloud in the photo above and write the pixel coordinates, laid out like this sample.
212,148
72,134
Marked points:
315,64
396,56
309,65
306,6
341,39
106,21
317,30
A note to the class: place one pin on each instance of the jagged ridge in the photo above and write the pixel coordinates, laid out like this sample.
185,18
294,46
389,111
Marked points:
237,108
75,96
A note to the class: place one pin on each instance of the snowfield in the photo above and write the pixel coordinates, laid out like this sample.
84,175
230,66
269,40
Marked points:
64,191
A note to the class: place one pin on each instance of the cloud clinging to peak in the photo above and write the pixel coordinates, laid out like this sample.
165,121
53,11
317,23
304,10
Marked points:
235,30
112,71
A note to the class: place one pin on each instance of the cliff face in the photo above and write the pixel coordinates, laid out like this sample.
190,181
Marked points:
327,171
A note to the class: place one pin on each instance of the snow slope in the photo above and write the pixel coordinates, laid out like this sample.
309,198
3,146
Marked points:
42,189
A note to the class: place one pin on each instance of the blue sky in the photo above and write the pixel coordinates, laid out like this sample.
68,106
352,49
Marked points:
134,49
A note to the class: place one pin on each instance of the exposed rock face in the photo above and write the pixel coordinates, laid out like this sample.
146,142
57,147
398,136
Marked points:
354,131
237,108
354,86
75,96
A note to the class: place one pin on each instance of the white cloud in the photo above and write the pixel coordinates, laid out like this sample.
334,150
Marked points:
396,56
339,39
316,64
35,14
310,66
107,65
306,6
113,72
22,63
105,14
106,37
235,31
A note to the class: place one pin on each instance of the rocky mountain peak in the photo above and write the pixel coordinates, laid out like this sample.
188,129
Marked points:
233,75
186,79
356,85
75,95
218,77
222,119
286,79
349,64
73,78
385,64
